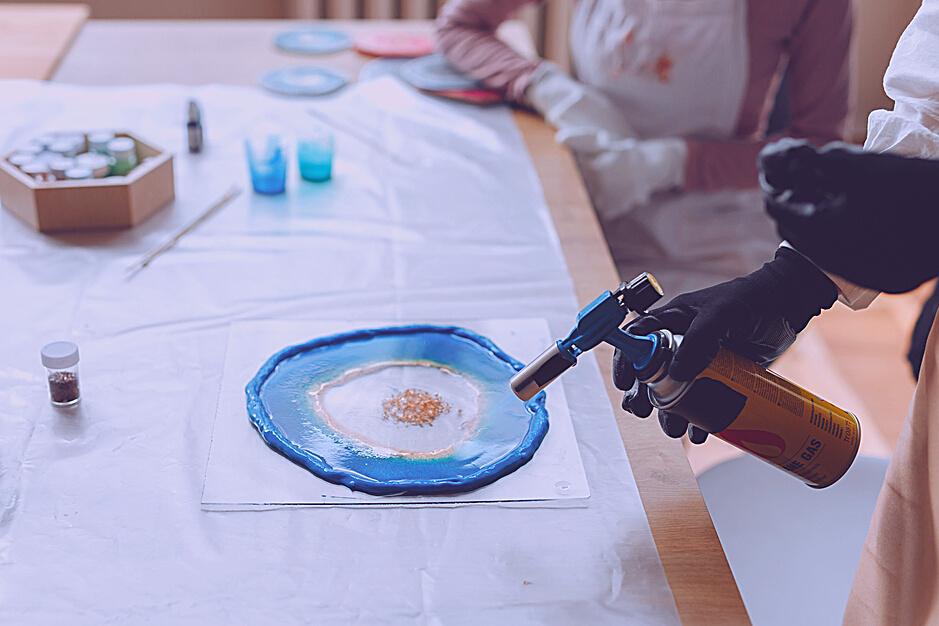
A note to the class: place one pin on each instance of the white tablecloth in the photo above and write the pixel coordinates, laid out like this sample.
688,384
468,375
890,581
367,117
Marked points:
100,517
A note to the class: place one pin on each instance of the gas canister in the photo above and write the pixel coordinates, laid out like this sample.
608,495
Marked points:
759,412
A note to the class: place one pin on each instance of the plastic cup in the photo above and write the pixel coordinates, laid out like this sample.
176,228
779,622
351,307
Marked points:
315,155
267,163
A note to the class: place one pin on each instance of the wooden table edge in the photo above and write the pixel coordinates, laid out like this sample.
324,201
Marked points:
70,16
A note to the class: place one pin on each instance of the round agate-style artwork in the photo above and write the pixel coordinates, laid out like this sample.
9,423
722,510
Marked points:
412,410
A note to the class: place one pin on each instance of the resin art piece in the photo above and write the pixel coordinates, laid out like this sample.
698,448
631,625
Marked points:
413,410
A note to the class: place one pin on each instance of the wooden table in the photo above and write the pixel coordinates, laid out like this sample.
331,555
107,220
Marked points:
125,53
34,37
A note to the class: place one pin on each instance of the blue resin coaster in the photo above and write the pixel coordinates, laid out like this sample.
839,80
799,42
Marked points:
413,410
313,41
307,80
434,73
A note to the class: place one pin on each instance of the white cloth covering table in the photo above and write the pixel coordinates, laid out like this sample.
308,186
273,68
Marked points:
100,516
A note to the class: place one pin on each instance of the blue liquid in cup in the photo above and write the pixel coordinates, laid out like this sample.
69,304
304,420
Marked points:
268,166
315,160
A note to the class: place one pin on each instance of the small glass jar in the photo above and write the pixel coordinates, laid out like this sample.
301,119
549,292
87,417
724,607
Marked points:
99,164
60,359
60,165
34,169
20,159
68,147
124,152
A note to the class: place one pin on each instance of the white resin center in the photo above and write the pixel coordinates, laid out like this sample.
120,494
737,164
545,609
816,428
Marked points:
353,405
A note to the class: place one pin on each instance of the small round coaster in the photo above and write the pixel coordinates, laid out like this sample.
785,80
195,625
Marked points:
394,44
308,80
313,41
434,73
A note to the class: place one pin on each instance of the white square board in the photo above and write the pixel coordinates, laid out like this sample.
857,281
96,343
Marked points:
243,473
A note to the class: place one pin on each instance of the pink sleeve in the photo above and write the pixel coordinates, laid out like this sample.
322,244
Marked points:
466,36
818,100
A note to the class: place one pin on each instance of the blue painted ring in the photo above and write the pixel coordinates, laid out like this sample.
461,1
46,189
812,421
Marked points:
304,80
500,443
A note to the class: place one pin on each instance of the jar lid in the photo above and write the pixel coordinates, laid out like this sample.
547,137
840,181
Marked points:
61,164
78,173
64,146
93,160
59,355
34,167
100,137
20,159
121,144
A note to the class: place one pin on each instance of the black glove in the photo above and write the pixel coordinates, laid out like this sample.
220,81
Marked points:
871,218
757,317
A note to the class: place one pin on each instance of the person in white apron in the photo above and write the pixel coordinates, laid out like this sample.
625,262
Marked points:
667,113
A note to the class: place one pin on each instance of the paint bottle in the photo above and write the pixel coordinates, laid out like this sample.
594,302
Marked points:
194,128
759,412
124,152
60,359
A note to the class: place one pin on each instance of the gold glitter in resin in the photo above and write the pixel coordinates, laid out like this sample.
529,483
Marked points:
368,405
413,406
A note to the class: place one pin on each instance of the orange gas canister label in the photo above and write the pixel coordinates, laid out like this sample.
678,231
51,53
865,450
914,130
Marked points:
785,424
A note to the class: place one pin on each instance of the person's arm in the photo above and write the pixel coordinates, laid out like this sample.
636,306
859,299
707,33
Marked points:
818,100
466,35
867,217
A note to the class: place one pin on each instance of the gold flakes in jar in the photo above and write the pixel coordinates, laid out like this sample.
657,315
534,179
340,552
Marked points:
415,407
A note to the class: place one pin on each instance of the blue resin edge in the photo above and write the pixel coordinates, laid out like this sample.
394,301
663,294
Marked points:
523,453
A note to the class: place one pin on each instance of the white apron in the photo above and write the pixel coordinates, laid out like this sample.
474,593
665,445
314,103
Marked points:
897,580
679,69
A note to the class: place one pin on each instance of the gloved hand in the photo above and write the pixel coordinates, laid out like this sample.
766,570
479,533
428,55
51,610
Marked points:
757,317
566,103
621,175
870,218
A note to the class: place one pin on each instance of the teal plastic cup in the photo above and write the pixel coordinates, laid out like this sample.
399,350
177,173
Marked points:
315,155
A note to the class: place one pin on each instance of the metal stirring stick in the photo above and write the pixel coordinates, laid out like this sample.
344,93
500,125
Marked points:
231,194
